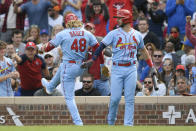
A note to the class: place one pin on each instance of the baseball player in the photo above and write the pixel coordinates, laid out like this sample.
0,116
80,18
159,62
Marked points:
74,42
125,42
7,71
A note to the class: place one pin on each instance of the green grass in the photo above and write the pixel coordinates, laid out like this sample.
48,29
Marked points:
98,128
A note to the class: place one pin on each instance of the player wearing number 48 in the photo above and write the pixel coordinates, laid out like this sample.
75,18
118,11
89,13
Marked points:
74,42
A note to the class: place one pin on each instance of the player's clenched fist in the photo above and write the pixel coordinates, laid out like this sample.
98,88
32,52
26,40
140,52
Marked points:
188,19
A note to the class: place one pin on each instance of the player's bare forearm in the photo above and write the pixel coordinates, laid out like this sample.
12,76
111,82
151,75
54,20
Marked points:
47,47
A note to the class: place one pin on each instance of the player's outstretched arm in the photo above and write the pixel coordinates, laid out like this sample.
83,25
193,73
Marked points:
47,47
94,57
148,60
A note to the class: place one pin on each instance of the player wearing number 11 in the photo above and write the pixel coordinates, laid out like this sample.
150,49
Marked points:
74,42
125,42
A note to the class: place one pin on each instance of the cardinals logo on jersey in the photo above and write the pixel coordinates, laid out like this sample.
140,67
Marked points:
119,42
135,40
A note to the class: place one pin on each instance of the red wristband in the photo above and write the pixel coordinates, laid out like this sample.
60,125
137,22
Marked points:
49,47
149,62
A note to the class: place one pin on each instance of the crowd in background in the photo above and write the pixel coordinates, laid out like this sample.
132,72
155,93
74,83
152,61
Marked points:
26,25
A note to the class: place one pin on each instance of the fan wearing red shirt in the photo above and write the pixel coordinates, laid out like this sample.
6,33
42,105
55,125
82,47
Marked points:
98,14
115,5
30,67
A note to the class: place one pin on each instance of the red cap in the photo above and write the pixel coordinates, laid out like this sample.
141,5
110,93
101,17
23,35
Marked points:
90,24
30,44
180,67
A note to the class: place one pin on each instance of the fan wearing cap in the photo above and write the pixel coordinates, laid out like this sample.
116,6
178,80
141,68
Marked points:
7,72
30,66
49,59
97,12
54,17
187,48
44,36
179,72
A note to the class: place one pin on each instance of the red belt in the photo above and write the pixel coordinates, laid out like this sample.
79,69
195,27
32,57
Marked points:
75,62
124,64
72,61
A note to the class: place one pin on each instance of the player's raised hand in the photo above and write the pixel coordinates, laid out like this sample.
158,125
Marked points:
87,64
188,19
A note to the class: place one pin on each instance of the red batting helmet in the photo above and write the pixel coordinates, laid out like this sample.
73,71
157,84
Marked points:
125,15
69,17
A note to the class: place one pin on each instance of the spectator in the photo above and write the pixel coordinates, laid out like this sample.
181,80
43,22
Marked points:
148,89
44,36
30,67
44,40
7,72
187,48
157,61
193,86
176,11
141,6
142,63
17,42
10,50
33,35
156,22
49,59
148,36
167,73
87,88
12,20
37,11
171,54
54,17
114,6
55,30
189,35
101,82
98,14
169,50
182,86
73,6
189,63
180,71
174,37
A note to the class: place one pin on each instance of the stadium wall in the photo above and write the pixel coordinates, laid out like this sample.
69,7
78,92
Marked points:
177,110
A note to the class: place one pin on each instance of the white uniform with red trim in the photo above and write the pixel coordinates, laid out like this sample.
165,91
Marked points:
74,45
124,72
6,66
